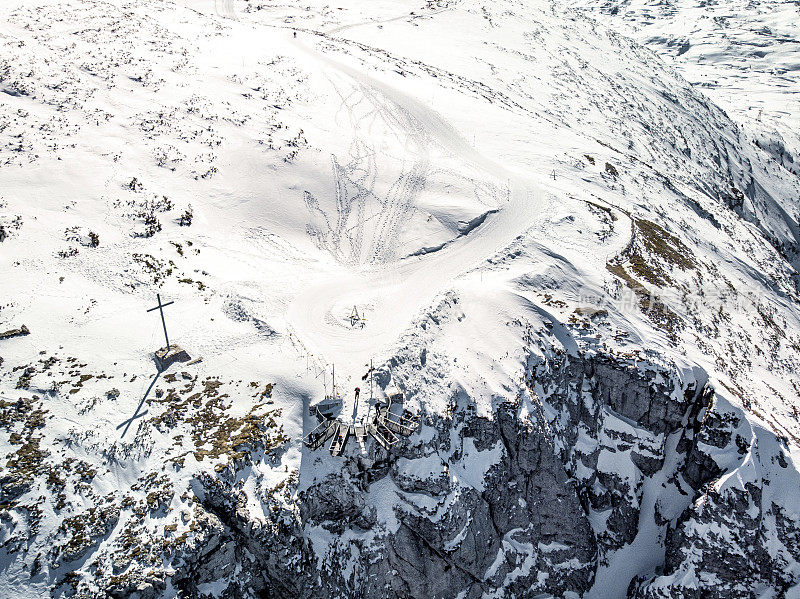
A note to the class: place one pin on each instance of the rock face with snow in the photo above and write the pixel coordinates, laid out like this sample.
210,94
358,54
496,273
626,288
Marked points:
576,257
556,498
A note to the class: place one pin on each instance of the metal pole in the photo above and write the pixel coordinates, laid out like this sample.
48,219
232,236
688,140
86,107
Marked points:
371,397
163,322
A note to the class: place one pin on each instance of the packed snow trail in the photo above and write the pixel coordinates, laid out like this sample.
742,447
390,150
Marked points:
224,8
380,22
397,291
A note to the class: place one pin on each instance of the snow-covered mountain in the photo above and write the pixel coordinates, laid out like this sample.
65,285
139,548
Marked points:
566,233
743,55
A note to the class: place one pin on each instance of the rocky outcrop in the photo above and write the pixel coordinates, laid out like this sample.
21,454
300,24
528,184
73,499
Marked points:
167,356
240,556
517,532
616,417
595,465
531,500
23,330
737,538
721,548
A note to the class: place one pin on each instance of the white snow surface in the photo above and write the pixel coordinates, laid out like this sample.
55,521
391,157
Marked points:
463,174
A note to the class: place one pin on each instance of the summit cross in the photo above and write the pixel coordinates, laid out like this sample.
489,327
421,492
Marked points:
160,307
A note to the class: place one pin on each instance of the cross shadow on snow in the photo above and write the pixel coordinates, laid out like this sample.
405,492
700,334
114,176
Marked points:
127,423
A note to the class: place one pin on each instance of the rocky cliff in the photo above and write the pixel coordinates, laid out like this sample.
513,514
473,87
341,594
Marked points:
595,458
576,258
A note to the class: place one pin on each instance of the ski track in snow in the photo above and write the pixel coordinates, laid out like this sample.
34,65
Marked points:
397,290
384,160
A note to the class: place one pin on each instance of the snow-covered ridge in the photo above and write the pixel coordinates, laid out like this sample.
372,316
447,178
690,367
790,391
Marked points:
579,269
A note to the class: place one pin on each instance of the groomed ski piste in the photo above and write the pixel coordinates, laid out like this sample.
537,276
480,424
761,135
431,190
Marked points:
491,187
395,289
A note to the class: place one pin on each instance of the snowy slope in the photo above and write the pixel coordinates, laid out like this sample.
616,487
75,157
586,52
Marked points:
500,190
743,55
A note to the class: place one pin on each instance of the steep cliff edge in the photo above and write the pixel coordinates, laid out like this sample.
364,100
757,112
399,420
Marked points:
602,473
580,271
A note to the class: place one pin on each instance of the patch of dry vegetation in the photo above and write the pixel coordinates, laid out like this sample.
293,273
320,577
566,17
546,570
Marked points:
213,433
655,252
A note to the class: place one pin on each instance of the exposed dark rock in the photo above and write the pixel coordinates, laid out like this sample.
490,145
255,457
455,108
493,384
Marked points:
648,465
404,524
166,357
23,330
722,540
335,500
